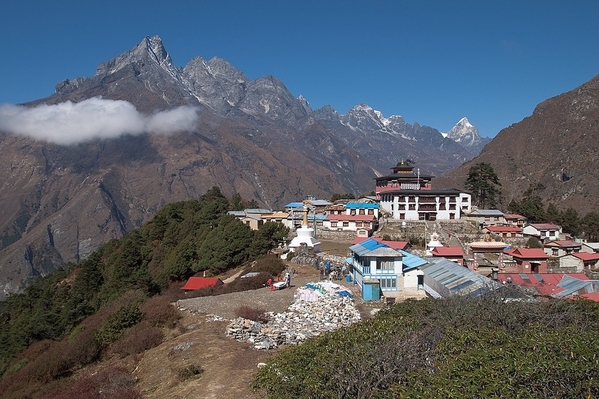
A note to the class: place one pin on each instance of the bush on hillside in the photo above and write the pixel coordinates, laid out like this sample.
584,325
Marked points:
158,311
137,339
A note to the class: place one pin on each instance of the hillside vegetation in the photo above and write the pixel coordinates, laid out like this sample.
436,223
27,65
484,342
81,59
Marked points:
455,348
112,304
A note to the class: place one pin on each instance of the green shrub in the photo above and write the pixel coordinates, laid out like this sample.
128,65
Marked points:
116,323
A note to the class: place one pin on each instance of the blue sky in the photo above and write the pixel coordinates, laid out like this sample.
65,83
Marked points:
432,62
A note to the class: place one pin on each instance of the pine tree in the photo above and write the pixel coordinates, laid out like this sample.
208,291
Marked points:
483,183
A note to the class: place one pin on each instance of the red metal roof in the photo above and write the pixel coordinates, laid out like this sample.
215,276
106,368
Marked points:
196,283
563,244
592,296
448,251
545,226
506,229
544,283
511,216
585,256
527,253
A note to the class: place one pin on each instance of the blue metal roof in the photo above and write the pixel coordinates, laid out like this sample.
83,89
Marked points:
411,261
361,205
573,286
367,246
295,205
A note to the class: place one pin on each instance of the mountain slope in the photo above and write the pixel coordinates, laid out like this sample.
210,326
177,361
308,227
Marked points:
75,187
556,146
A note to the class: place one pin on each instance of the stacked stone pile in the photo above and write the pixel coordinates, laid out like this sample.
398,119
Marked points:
318,307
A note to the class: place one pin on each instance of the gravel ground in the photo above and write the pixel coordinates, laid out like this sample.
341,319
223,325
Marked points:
270,301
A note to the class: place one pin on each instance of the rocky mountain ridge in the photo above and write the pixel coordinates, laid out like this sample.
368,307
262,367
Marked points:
555,147
253,138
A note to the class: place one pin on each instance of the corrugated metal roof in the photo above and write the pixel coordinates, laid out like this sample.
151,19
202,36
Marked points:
458,279
258,210
574,286
317,202
485,212
295,205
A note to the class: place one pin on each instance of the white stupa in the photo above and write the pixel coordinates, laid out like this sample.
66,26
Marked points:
305,236
434,242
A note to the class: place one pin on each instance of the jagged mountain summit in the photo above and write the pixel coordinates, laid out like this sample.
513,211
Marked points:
467,135
64,198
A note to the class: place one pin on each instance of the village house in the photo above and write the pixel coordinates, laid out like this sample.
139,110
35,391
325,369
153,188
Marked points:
485,217
590,247
525,260
589,261
504,231
379,269
543,231
356,215
408,195
567,263
513,219
454,254
254,218
317,212
561,247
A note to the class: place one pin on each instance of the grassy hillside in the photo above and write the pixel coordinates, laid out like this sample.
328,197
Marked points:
112,303
457,348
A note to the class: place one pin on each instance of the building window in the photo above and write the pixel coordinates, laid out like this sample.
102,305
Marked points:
388,283
345,224
384,265
555,251
333,224
371,211
362,212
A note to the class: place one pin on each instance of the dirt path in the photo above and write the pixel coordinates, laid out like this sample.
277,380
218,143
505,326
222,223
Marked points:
229,367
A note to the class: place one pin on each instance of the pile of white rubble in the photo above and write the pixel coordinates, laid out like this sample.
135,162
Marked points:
318,307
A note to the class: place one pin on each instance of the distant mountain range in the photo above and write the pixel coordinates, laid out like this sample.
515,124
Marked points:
104,153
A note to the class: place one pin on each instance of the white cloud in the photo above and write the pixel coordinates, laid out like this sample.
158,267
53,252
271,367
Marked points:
71,123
